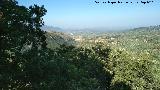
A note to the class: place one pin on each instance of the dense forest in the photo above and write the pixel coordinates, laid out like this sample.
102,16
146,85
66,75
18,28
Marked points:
34,59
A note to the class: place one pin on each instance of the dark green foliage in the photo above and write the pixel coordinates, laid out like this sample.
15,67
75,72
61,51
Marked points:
21,45
78,68
120,86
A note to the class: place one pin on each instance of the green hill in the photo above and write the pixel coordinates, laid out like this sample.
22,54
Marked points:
55,39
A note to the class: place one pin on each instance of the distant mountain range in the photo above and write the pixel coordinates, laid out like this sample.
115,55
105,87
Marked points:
58,29
96,30
51,28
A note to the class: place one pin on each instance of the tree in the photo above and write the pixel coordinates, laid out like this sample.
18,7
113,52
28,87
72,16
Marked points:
21,43
73,68
131,71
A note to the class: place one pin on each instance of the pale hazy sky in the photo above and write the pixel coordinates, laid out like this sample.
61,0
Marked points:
77,14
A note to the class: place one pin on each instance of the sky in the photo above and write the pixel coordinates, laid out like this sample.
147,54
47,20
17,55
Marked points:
81,14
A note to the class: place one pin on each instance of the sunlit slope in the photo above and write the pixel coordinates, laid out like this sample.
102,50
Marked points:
55,39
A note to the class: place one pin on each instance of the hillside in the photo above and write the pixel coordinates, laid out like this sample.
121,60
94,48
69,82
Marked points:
135,41
147,37
55,39
138,40
135,47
